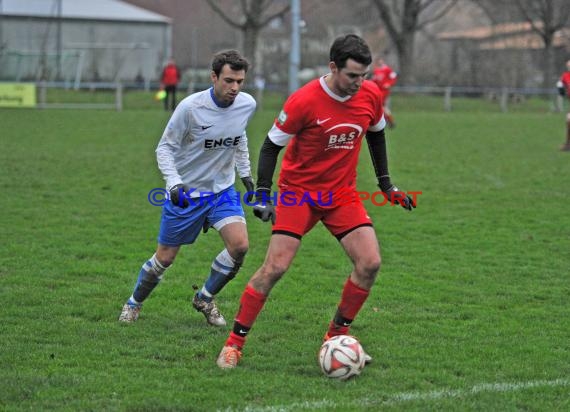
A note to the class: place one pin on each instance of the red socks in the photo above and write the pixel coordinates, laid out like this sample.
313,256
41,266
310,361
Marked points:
251,303
351,301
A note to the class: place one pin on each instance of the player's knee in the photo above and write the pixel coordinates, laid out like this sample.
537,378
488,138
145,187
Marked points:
370,265
166,254
165,258
239,250
274,270
266,277
166,262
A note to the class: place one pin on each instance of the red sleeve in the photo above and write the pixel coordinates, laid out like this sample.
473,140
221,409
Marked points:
376,101
295,113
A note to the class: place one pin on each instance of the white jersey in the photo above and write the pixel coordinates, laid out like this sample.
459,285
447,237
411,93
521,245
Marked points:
204,143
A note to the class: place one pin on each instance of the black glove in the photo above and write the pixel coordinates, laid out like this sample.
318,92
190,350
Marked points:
249,187
263,208
178,196
394,195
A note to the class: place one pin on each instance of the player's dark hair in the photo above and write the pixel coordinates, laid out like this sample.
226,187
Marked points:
352,47
231,57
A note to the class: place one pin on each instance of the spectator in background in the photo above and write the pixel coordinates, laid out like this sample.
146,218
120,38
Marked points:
139,79
564,89
385,78
168,82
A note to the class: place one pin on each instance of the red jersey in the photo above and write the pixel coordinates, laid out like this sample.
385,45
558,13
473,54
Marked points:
324,132
170,75
565,79
385,78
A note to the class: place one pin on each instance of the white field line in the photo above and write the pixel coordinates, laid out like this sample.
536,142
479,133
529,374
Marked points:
403,397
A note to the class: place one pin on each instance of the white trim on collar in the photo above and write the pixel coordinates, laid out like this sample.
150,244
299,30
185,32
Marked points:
330,92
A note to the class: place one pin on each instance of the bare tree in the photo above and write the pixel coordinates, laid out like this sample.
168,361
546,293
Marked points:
403,19
255,14
499,12
546,17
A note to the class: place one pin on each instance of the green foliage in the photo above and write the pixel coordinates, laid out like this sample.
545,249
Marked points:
470,311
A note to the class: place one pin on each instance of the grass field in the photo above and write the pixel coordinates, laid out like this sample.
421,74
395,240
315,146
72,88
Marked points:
471,310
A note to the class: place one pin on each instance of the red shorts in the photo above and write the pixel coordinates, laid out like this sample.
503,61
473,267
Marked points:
296,215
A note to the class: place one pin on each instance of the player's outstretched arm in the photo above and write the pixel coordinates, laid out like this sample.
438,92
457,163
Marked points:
377,146
268,154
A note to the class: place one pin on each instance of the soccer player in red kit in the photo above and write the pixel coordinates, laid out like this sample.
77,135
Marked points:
564,89
385,78
323,125
169,82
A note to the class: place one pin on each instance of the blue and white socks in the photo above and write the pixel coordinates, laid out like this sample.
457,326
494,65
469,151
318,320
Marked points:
224,269
149,276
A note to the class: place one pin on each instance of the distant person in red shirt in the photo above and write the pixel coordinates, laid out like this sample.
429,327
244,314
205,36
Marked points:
385,78
323,125
564,89
169,81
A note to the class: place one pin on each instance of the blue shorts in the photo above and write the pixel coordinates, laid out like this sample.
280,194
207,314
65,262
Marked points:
180,226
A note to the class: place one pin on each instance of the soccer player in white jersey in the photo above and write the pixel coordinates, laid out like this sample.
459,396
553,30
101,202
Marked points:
203,143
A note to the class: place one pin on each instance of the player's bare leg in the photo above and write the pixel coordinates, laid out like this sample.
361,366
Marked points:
235,238
166,254
282,249
362,248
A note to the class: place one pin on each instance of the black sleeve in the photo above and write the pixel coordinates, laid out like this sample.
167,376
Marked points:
377,146
266,165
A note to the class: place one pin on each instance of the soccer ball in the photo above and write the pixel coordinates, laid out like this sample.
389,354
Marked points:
341,357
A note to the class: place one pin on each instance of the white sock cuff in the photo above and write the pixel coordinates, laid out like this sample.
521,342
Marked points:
156,266
205,292
225,259
133,300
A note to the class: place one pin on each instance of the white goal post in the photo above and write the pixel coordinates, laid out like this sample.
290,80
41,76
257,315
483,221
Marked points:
117,105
